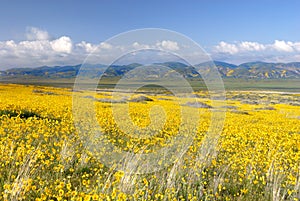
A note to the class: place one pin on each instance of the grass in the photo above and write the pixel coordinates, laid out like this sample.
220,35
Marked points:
289,85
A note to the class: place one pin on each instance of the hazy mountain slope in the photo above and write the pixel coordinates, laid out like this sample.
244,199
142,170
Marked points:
250,70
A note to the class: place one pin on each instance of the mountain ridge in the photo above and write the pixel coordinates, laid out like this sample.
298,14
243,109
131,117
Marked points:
248,70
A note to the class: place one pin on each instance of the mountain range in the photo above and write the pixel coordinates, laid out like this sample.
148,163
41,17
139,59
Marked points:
250,70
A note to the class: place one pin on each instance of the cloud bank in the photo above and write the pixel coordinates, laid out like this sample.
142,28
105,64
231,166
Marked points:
39,48
278,51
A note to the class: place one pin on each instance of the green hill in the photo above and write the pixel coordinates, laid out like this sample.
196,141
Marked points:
250,70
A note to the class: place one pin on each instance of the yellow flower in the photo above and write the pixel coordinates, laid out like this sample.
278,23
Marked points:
69,186
244,191
145,182
61,192
95,197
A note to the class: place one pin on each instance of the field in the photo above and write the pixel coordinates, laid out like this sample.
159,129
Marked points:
290,85
43,155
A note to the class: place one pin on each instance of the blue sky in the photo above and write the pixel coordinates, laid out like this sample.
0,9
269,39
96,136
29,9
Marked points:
233,31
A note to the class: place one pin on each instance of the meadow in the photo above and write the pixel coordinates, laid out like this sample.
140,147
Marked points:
43,157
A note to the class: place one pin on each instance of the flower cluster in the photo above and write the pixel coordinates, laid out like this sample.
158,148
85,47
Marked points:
43,157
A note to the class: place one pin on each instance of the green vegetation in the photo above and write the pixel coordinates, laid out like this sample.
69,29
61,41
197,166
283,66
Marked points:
290,85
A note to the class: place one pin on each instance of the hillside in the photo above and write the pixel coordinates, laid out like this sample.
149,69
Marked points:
250,70
257,70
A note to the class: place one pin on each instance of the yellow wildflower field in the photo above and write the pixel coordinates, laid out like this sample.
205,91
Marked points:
44,157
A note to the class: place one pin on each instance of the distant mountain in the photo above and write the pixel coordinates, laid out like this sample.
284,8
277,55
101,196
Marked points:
44,71
270,70
250,70
257,70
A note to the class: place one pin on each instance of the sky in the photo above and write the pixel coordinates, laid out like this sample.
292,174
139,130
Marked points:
35,33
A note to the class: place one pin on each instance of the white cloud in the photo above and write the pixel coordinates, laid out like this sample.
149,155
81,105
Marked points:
87,47
33,33
161,45
234,48
168,45
40,49
33,46
251,46
62,44
246,46
296,46
283,46
137,45
244,51
105,45
226,48
37,50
